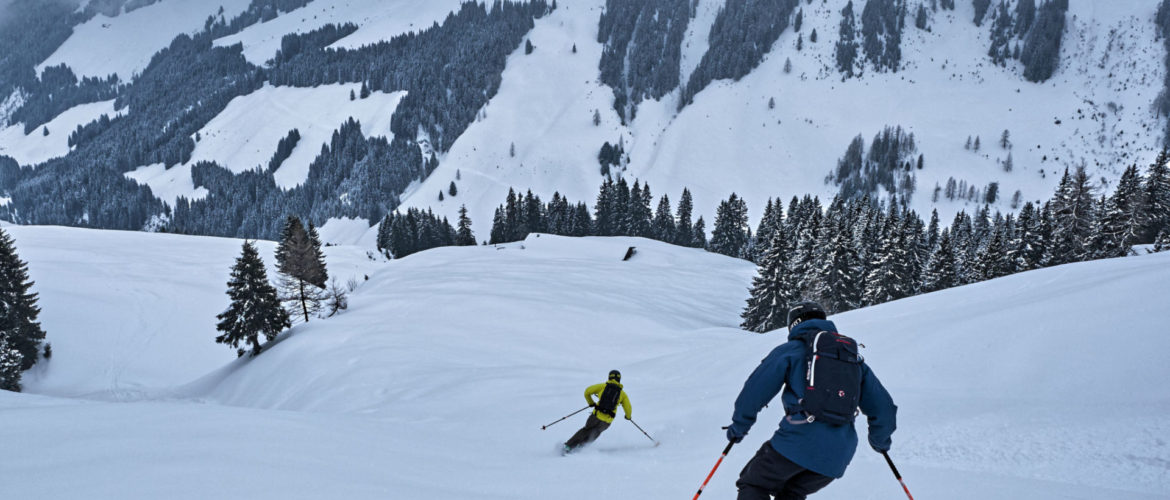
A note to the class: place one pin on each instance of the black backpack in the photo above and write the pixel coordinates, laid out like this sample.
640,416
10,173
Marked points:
608,402
833,380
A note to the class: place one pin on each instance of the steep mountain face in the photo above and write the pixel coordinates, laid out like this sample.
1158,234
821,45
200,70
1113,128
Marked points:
937,102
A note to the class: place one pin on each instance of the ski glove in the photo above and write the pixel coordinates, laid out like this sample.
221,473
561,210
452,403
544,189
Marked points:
733,436
628,417
880,447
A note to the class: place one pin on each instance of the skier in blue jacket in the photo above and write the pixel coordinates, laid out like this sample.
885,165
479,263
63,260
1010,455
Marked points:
804,455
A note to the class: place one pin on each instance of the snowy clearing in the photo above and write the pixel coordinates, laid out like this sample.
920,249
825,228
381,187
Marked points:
377,20
123,45
36,147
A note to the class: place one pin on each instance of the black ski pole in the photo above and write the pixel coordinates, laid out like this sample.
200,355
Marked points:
712,473
643,432
543,427
896,475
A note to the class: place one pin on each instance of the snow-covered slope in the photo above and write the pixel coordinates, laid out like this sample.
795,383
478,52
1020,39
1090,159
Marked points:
544,113
377,20
129,310
123,45
36,147
449,361
1095,111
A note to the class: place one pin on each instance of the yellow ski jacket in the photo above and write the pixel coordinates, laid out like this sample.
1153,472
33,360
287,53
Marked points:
595,390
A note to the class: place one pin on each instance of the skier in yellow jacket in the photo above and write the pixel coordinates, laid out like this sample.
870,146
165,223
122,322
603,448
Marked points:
609,395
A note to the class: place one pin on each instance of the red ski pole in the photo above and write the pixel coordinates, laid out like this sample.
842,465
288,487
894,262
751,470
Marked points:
721,457
899,476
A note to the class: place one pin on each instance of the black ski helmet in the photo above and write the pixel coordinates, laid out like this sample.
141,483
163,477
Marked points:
805,310
615,375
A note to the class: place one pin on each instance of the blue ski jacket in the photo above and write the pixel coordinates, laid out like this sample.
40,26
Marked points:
817,446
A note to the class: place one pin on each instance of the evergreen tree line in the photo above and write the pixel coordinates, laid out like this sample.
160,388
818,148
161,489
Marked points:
854,254
258,308
295,44
889,165
620,210
402,234
21,335
641,50
1028,34
743,32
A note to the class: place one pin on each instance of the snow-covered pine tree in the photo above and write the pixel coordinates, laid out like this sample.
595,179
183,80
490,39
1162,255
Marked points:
621,207
942,269
1119,223
699,234
772,289
1162,243
685,234
254,309
301,266
383,239
768,225
1073,210
499,230
10,361
890,276
18,305
914,234
932,231
1027,247
962,241
729,236
641,217
604,209
1156,198
463,235
533,215
838,270
803,261
664,228
993,262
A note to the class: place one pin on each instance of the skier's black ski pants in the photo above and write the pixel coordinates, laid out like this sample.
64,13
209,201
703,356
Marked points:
769,474
593,428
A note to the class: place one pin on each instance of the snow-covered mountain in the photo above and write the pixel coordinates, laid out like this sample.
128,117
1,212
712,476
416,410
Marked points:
434,384
774,131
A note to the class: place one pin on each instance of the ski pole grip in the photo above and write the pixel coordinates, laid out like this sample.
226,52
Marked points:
728,448
892,467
